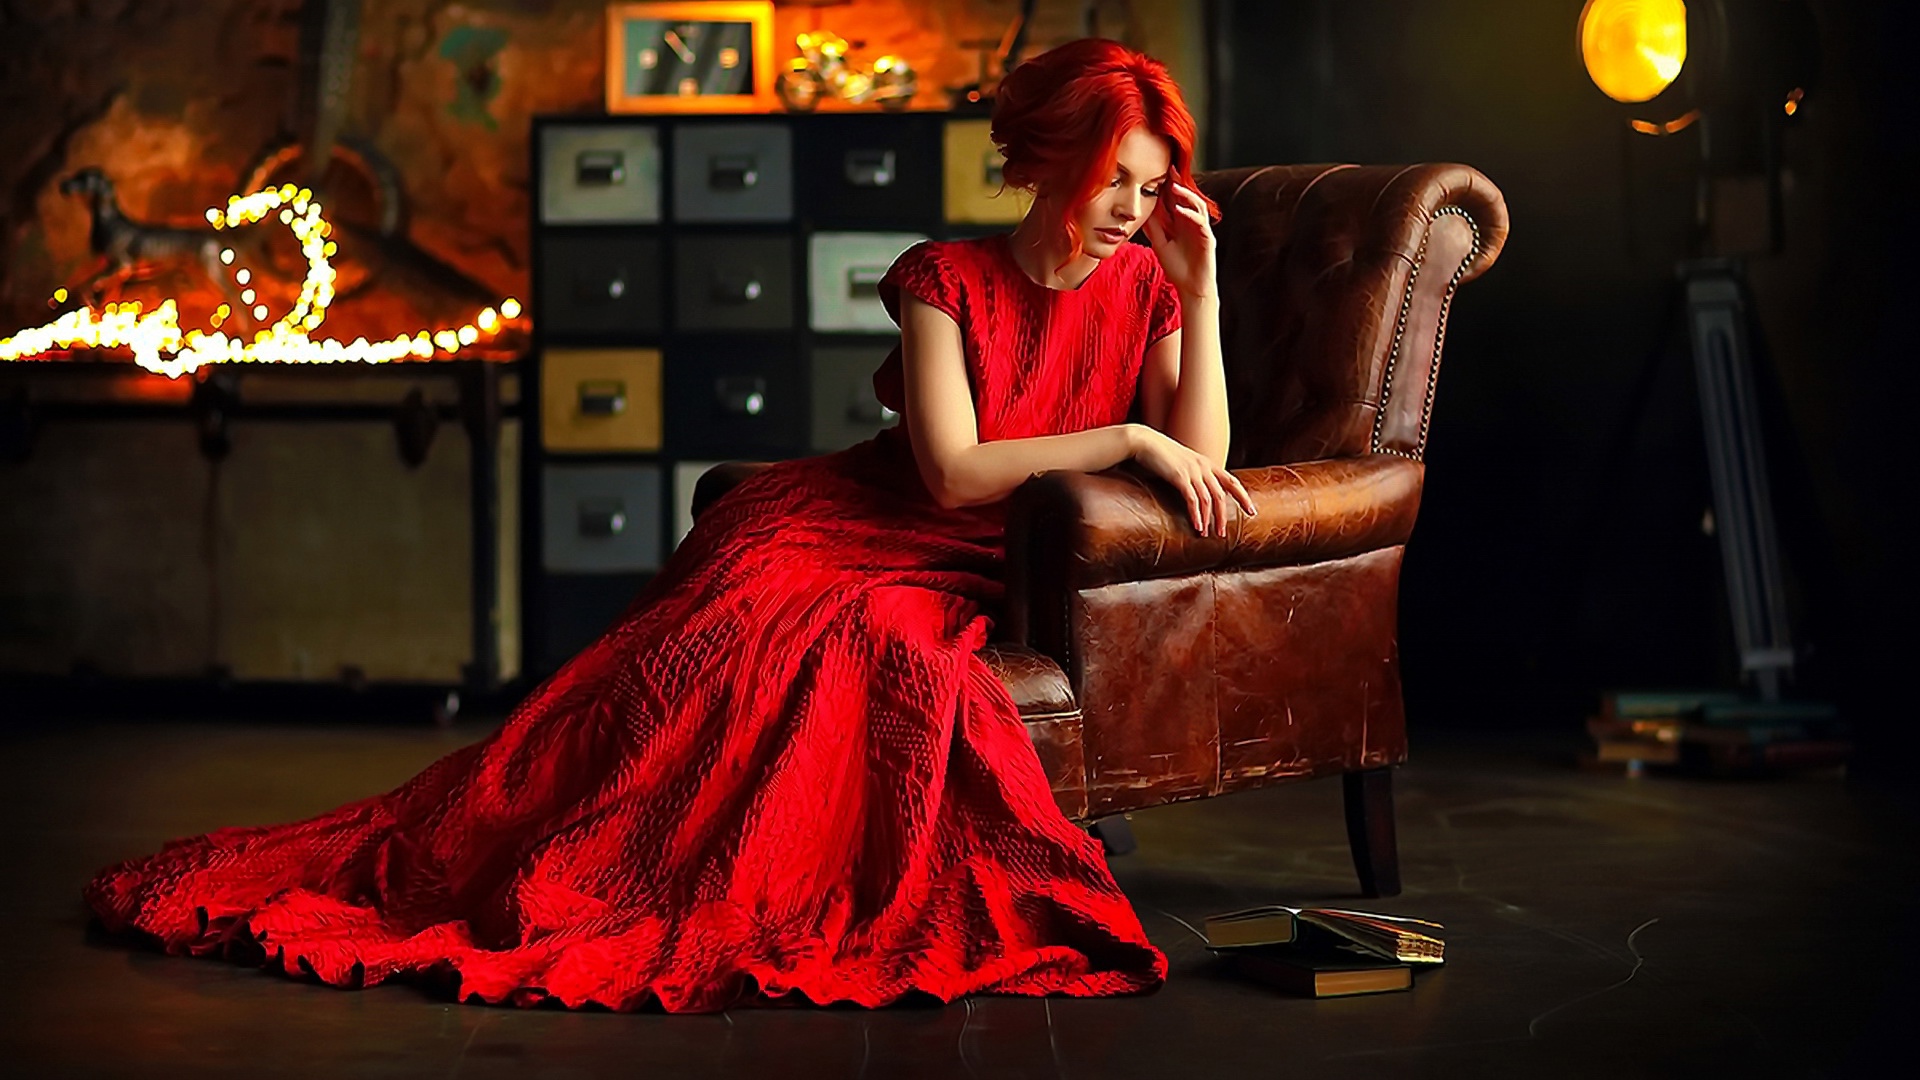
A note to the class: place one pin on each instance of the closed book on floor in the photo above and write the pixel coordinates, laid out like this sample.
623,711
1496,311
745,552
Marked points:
1324,971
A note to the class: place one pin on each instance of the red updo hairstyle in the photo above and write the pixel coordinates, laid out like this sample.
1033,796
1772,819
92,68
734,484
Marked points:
1060,116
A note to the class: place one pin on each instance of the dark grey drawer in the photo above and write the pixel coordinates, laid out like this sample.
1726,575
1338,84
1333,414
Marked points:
600,283
601,518
732,172
729,399
870,170
733,282
571,611
845,411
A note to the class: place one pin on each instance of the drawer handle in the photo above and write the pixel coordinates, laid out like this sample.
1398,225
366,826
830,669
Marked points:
864,281
733,172
603,397
602,520
600,168
870,168
595,290
866,409
993,169
736,288
741,395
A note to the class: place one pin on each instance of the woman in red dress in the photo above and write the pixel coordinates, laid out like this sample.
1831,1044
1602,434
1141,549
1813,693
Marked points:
785,770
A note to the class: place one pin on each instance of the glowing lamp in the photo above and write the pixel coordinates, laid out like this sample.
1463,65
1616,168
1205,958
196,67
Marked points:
1633,49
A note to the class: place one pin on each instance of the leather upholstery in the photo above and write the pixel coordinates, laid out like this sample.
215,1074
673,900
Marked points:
1152,665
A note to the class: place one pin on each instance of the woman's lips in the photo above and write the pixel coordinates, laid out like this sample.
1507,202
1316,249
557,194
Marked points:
1115,235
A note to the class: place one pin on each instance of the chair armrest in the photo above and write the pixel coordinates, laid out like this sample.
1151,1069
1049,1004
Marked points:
1068,530
721,479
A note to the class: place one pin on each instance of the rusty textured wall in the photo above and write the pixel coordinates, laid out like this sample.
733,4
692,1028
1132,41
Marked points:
178,99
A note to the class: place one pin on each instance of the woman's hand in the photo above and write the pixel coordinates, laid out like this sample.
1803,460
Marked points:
1207,489
1182,236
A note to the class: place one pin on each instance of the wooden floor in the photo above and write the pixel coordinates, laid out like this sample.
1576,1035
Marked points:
1599,926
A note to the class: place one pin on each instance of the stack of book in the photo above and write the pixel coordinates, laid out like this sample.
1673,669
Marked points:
1713,732
1325,952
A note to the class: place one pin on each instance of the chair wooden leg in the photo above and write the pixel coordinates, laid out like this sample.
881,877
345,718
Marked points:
1376,852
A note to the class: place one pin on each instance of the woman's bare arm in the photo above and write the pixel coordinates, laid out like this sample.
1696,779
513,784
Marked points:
1183,388
957,467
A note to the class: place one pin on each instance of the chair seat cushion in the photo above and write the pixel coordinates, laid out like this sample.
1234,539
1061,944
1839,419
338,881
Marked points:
1045,699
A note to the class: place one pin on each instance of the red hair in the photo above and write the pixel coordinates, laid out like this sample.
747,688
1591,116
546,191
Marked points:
1060,116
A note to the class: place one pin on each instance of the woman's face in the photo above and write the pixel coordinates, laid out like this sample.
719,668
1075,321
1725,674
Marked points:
1118,210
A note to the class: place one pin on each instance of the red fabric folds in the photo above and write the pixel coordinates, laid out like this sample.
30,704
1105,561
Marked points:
783,771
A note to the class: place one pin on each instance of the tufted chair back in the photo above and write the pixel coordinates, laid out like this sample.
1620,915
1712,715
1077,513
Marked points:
1335,282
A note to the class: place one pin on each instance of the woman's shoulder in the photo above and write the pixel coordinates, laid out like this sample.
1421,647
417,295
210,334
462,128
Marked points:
942,273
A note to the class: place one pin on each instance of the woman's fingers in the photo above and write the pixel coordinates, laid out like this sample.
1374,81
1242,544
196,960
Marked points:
1193,506
1239,492
1217,502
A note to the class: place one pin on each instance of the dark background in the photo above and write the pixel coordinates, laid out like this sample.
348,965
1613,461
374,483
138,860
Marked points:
1559,550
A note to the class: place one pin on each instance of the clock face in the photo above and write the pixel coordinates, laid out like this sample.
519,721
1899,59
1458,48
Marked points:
691,58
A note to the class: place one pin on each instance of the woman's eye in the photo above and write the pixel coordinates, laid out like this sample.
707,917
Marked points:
1154,194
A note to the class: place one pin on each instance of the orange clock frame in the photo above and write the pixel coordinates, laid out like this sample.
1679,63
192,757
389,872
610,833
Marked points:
758,13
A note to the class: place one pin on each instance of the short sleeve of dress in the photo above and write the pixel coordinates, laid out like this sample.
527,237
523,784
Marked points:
927,272
1163,314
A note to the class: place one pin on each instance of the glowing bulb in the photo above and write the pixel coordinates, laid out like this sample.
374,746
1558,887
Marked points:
488,320
468,335
60,295
1633,49
246,296
214,218
259,312
226,256
510,308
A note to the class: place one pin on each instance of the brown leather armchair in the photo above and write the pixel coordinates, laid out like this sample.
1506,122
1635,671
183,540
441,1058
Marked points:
1152,665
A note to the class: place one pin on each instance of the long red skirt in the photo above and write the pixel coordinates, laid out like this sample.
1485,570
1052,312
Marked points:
784,770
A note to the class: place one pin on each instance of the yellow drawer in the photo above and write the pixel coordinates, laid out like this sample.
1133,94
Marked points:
595,400
973,192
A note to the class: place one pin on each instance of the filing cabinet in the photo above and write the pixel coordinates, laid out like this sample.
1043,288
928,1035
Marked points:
844,407
685,475
843,277
600,400
706,291
599,283
598,518
732,172
733,397
870,171
596,173
733,282
972,179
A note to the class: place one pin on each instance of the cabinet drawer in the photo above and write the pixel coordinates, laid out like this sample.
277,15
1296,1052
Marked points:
574,610
600,284
685,475
845,410
843,274
870,170
972,166
735,398
600,518
732,172
733,282
597,400
600,173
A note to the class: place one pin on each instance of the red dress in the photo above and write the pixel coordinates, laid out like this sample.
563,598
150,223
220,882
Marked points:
784,769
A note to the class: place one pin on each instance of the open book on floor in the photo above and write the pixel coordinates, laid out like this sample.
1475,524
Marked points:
1391,937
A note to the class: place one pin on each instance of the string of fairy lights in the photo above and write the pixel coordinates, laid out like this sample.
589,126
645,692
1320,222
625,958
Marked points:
158,345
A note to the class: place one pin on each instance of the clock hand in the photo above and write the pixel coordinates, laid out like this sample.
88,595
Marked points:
679,47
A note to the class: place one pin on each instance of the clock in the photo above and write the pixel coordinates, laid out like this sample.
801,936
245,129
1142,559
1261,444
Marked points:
690,56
